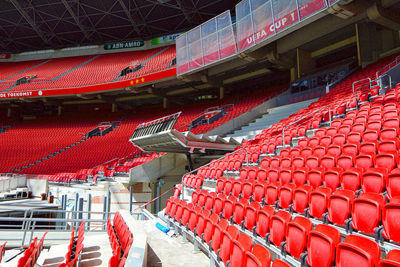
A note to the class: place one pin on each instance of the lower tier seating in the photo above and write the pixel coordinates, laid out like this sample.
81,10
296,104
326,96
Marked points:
121,239
324,193
31,254
75,247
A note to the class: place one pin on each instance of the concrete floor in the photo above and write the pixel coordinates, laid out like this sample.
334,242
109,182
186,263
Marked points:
169,251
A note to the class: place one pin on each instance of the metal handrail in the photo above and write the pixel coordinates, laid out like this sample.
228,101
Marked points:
208,164
302,118
396,61
359,81
384,75
175,115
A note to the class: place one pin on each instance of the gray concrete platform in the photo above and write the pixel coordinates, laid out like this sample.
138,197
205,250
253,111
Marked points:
168,251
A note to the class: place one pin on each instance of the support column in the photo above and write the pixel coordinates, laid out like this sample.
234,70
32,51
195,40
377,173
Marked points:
113,107
59,111
130,198
9,112
369,43
221,92
305,63
165,102
159,185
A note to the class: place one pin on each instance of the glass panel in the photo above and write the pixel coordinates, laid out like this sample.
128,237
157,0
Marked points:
262,20
210,48
244,25
210,41
181,54
227,43
195,51
285,13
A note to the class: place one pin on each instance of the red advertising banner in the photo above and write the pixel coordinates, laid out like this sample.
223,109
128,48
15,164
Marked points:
89,89
309,7
5,55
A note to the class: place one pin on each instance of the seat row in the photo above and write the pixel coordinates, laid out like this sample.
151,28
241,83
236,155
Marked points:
75,247
231,244
368,213
31,254
2,250
120,238
369,180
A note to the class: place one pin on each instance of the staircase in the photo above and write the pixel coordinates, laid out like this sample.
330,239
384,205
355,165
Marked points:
6,127
272,116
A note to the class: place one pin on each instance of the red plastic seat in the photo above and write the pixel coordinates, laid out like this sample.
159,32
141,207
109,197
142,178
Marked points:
258,257
328,161
373,180
225,250
350,150
202,221
285,176
263,220
238,214
393,184
217,234
339,206
300,177
209,228
390,222
388,134
298,162
318,202
250,218
332,178
351,180
261,175
320,151
392,259
280,263
354,138
370,136
301,198
315,178
278,226
339,139
227,211
271,193
273,176
345,162
386,160
296,236
366,212
357,251
285,195
321,246
239,248
364,161
312,162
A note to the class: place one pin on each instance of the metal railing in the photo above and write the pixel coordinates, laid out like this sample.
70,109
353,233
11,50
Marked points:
380,80
388,67
359,81
302,118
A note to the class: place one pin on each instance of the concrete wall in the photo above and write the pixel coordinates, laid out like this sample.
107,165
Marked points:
37,187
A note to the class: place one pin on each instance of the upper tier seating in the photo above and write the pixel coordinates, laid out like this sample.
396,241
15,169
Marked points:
79,71
29,142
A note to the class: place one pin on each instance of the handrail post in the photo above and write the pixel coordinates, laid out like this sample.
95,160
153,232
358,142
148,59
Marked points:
330,115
